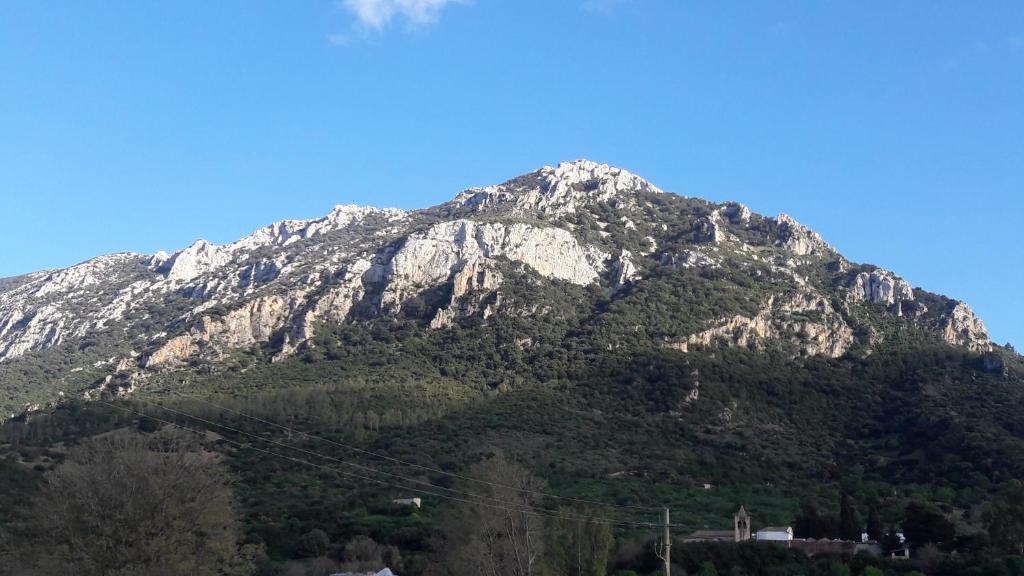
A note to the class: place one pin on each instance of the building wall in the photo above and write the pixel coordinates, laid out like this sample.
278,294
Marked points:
773,536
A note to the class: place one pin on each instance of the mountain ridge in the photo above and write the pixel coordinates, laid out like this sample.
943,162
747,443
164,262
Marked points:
579,222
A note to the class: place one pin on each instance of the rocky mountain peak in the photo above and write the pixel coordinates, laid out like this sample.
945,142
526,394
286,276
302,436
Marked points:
200,257
559,190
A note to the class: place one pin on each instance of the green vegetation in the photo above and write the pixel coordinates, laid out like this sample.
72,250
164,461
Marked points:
920,422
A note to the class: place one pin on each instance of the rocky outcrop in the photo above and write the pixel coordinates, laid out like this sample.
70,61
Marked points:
881,286
82,276
625,270
25,331
175,351
688,259
198,259
962,328
287,232
561,190
474,278
709,229
799,239
253,322
335,303
735,213
804,319
429,258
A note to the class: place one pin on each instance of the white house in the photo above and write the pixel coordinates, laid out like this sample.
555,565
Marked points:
774,534
417,502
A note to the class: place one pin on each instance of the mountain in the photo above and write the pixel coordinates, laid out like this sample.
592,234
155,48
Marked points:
114,321
625,344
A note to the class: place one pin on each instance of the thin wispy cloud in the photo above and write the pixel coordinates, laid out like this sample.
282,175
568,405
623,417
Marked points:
378,14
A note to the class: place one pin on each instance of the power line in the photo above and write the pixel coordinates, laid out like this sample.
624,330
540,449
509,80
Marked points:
420,466
326,457
503,504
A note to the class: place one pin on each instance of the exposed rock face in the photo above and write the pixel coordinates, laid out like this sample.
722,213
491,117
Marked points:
561,190
688,259
710,230
736,213
255,321
625,269
32,330
474,277
799,239
199,258
334,305
962,328
881,286
46,309
175,351
803,318
287,232
428,258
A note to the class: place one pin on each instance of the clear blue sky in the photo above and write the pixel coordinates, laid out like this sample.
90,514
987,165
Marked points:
894,129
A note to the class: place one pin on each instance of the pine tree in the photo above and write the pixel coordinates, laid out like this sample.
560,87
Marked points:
849,522
876,530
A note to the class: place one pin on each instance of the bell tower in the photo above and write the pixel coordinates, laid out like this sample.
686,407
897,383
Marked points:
741,522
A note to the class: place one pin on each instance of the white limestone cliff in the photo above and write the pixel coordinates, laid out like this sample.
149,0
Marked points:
881,286
800,239
473,277
962,328
428,258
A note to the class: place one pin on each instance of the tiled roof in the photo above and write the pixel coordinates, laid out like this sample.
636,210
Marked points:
713,534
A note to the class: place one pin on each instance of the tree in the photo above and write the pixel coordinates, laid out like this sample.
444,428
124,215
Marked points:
922,524
1005,518
127,504
580,544
807,524
849,522
707,569
497,535
890,541
314,543
876,530
837,568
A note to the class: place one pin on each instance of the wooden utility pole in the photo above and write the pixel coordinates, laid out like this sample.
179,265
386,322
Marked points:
664,549
668,546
